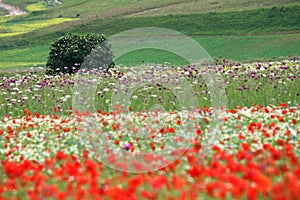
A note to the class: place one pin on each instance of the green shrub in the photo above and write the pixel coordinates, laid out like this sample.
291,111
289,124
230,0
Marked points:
69,52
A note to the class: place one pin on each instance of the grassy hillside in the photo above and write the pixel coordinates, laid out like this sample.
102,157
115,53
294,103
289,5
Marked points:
102,8
260,21
217,6
109,8
241,35
12,28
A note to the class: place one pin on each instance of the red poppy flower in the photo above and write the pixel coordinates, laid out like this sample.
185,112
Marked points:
135,182
61,155
178,182
158,182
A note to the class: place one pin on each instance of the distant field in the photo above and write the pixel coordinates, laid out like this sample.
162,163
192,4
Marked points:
242,35
258,21
103,8
23,57
261,21
15,27
216,6
36,7
109,8
236,48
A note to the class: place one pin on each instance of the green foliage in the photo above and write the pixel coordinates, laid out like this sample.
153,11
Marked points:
69,52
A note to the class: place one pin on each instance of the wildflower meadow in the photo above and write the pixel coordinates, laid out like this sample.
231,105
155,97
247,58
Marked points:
254,155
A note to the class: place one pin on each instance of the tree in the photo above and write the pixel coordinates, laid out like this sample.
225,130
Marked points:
69,52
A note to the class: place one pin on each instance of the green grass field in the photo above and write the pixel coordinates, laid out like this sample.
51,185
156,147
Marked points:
23,57
240,32
109,8
236,48
103,8
253,22
36,7
203,6
12,28
260,21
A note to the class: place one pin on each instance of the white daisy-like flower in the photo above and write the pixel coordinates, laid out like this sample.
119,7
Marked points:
106,89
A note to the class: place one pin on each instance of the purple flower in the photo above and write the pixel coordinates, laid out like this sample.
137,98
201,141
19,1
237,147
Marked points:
127,146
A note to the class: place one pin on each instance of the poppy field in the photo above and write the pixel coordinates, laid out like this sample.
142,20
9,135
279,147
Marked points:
254,153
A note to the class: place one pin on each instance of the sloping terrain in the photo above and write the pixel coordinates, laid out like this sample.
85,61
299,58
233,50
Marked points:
215,6
209,22
110,8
